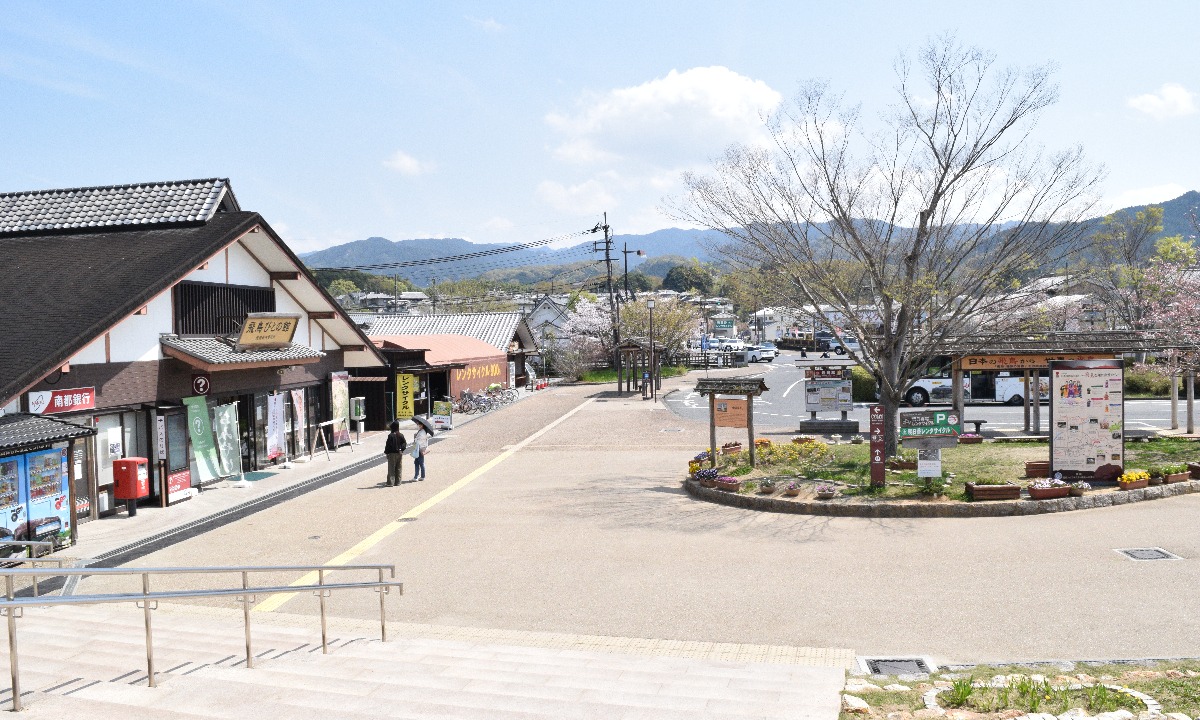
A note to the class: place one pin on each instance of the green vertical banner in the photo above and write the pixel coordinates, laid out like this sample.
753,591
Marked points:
203,445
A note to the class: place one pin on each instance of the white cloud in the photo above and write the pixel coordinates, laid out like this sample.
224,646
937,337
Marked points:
498,223
1145,196
487,25
1171,100
406,164
590,196
674,120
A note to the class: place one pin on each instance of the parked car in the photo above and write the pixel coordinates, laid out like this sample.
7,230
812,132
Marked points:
823,340
757,353
848,343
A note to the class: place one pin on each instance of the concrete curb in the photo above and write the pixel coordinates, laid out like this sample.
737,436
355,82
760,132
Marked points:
884,509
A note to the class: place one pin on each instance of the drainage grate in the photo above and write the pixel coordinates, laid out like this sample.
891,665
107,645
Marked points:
897,666
1151,553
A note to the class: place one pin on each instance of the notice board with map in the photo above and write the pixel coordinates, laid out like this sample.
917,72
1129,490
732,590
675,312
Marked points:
1087,418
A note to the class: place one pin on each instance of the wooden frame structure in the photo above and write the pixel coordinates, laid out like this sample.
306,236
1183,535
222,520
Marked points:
712,387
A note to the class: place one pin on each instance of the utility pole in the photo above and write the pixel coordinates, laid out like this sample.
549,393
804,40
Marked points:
612,300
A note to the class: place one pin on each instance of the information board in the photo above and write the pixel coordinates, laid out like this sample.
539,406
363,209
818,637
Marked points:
930,423
1087,417
731,412
828,395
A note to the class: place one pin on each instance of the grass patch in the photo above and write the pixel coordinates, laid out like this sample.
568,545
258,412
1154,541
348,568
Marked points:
996,462
603,375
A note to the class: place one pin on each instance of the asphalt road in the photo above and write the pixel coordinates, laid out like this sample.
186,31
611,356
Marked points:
783,404
566,515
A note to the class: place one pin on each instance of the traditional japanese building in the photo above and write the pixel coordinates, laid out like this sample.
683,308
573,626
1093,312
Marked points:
122,301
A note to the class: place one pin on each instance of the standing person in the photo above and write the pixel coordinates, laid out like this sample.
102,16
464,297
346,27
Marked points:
394,450
420,447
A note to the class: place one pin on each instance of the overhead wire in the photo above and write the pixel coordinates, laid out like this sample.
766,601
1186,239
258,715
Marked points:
459,258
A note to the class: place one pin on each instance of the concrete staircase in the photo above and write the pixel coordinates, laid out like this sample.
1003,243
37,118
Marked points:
90,662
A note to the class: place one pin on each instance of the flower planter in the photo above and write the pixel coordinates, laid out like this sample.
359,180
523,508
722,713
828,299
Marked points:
731,449
1048,493
792,493
1156,480
1135,485
1076,492
708,483
730,486
1037,468
902,465
1177,477
762,490
826,495
969,440
993,492
1194,469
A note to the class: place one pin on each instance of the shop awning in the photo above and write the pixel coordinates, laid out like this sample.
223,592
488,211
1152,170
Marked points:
22,430
214,354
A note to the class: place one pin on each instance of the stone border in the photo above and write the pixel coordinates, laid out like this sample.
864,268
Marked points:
986,508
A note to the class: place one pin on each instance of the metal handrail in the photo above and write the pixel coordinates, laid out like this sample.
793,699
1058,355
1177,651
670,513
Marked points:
12,607
35,560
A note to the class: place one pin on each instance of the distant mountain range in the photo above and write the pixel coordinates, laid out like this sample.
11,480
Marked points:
539,263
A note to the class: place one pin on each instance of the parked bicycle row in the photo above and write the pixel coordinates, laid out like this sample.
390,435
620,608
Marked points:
493,397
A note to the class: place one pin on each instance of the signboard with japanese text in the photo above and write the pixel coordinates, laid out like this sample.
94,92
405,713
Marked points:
267,330
878,469
404,395
824,373
49,402
276,418
731,412
301,421
930,423
828,395
929,463
204,447
1022,362
339,390
443,415
721,324
1087,417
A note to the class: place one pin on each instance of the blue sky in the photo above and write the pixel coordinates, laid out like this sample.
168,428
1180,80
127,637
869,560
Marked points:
511,122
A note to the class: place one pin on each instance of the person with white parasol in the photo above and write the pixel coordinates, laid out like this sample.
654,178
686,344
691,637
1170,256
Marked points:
420,446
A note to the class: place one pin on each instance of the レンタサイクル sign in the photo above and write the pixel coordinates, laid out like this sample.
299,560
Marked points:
930,423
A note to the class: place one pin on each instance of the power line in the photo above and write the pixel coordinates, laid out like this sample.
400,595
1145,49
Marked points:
459,258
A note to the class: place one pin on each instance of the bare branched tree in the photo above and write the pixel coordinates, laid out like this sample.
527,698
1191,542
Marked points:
912,231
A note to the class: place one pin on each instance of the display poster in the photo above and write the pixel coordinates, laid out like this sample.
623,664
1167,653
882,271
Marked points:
301,421
276,432
1087,417
929,463
443,418
12,500
49,510
229,445
828,395
404,396
731,412
178,482
339,384
200,431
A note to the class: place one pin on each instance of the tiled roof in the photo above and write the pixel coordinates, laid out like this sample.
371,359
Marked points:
496,329
177,202
78,285
21,430
217,352
442,349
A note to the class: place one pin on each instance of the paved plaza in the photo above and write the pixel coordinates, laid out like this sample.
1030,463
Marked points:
564,515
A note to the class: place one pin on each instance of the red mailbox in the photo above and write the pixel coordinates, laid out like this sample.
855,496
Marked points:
132,478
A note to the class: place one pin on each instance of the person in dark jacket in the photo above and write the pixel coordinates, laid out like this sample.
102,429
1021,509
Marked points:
394,450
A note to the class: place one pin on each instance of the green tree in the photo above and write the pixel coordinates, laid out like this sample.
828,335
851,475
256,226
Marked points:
674,322
638,282
337,288
692,276
1122,246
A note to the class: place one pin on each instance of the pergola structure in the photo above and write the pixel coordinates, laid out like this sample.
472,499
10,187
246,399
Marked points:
634,361
1031,352
712,387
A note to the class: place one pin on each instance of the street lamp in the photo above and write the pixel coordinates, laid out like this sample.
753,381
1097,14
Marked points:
653,368
625,252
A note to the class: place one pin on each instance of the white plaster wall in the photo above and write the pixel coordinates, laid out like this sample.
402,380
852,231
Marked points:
285,304
244,269
136,337
93,353
214,273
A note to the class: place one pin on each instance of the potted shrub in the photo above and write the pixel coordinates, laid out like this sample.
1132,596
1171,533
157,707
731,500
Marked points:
826,491
766,486
1079,488
1176,473
1048,489
1156,474
969,439
1134,480
708,477
792,489
731,484
762,443
857,440
905,460
993,490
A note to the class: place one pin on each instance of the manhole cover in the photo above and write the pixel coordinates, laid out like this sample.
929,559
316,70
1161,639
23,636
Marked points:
897,666
1151,553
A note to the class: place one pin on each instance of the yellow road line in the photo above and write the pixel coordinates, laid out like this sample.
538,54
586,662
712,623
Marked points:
274,602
